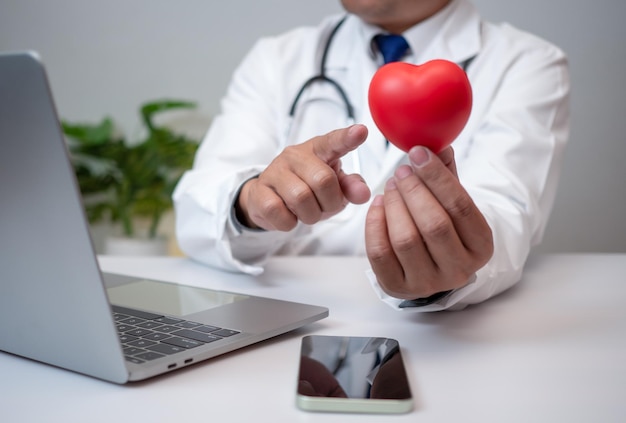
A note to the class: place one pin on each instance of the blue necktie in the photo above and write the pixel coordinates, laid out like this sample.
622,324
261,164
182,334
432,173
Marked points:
391,46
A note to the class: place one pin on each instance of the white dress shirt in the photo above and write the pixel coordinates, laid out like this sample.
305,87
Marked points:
508,156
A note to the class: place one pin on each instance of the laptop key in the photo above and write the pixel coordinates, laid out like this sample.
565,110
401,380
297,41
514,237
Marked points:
133,360
167,320
149,355
137,332
166,328
133,351
187,324
132,321
137,313
182,342
167,349
207,328
141,343
127,338
225,332
124,328
150,324
198,336
156,336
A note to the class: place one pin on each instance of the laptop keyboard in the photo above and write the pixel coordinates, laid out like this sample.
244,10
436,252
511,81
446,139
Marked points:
148,336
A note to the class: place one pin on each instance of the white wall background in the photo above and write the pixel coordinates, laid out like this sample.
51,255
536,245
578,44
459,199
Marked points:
105,58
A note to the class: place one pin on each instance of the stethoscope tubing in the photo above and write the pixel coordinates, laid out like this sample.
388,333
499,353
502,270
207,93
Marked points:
322,77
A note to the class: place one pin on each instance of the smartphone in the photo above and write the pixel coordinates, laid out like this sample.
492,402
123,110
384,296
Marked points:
352,374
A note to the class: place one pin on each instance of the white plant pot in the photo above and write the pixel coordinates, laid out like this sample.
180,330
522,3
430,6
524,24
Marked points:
125,246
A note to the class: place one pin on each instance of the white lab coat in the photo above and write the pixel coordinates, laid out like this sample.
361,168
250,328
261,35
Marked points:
508,156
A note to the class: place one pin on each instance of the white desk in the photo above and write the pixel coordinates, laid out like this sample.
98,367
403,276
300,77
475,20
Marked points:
552,349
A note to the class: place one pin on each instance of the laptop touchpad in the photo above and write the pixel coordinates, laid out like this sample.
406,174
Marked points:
168,298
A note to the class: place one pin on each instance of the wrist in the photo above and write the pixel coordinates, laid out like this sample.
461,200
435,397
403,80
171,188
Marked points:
240,205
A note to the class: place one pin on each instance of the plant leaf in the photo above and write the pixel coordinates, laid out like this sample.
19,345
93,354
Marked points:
148,110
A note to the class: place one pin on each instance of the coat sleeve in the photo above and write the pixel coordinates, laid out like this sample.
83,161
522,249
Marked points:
240,143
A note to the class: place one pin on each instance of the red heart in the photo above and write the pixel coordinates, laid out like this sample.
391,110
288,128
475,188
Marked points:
426,104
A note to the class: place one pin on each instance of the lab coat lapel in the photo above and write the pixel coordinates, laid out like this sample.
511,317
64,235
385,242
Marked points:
457,35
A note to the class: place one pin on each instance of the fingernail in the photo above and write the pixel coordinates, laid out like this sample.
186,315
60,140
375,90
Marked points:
390,185
378,201
354,128
403,171
419,156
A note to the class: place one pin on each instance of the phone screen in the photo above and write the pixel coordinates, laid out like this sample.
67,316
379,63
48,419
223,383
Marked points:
352,374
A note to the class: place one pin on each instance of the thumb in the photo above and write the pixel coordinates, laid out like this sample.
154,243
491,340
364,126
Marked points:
335,144
354,188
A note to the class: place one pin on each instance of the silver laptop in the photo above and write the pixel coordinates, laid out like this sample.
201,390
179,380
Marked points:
56,306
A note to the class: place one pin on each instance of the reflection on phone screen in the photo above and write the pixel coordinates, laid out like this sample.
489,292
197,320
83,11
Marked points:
352,367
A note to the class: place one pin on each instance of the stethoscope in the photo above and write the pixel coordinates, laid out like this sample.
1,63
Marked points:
322,77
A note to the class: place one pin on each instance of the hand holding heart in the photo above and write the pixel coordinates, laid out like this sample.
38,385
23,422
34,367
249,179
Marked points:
424,235
425,104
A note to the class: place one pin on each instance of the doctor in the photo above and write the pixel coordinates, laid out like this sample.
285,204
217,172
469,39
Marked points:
283,171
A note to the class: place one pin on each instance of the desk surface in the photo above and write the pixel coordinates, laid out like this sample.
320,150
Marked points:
552,349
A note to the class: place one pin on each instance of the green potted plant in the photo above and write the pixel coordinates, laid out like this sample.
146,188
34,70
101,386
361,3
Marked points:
126,182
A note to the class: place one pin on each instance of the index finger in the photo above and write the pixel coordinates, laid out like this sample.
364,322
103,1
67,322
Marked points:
335,144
